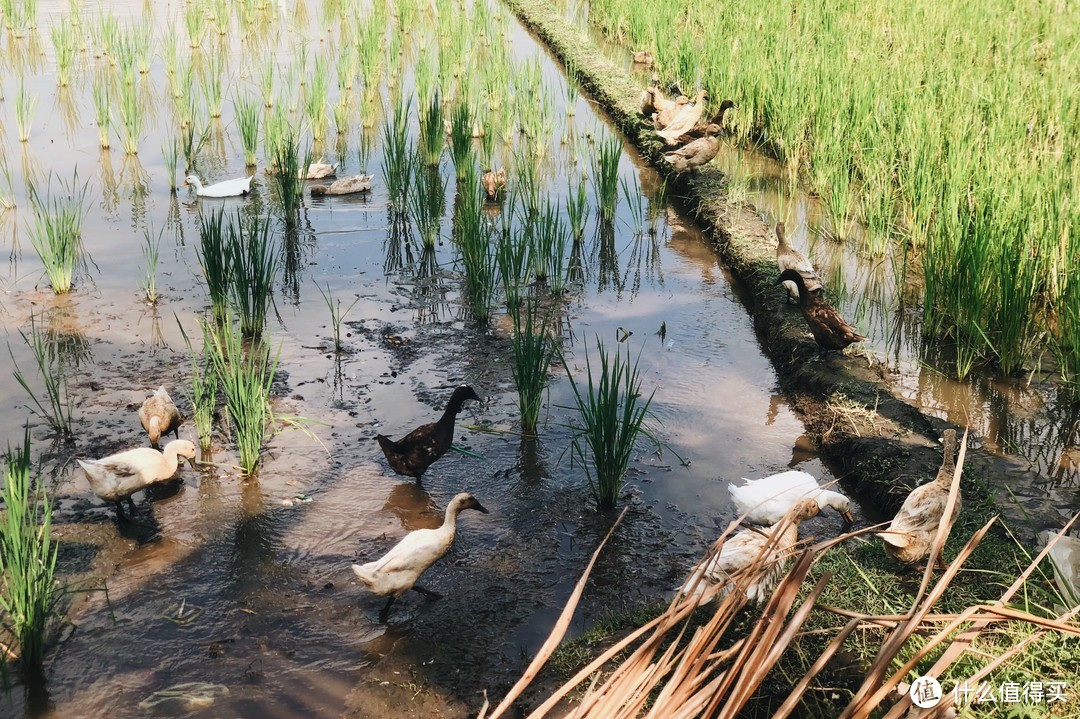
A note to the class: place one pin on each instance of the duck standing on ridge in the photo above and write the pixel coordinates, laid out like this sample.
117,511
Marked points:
159,415
702,128
685,118
696,154
830,330
788,258
399,569
766,501
118,476
911,533
743,550
415,452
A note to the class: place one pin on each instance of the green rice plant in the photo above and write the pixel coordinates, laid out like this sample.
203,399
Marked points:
288,176
131,116
246,110
547,248
571,88
195,22
530,183
215,260
213,82
432,133
370,33
461,147
57,407
656,208
474,239
337,315
577,209
142,35
64,39
101,89
192,143
635,200
397,158
25,104
123,55
427,202
202,393
534,348
511,255
266,80
57,231
29,592
425,81
170,51
606,177
245,378
612,417
170,153
343,117
316,99
7,192
253,265
150,251
221,16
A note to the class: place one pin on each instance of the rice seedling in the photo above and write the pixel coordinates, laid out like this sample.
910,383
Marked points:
475,242
398,157
432,132
547,249
656,208
170,51
25,104
612,418
461,149
245,378
534,348
201,393
427,202
142,35
7,192
511,255
571,89
606,177
337,315
63,37
170,153
577,209
316,99
252,269
57,231
29,592
221,16
57,407
192,142
215,260
195,22
131,116
213,82
287,179
150,252
246,110
634,199
101,90
266,80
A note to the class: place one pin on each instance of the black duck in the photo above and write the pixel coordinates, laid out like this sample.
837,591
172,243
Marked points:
414,453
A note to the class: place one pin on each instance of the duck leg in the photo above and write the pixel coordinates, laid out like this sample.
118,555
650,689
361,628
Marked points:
386,609
131,503
426,592
119,506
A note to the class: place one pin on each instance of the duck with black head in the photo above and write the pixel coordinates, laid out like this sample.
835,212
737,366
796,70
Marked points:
830,330
411,455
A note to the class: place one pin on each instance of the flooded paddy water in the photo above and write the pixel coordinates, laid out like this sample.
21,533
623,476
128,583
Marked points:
244,583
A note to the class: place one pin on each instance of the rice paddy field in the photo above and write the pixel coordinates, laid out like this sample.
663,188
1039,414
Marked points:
292,328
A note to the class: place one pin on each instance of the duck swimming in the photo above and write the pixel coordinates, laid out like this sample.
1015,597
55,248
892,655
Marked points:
415,452
344,186
767,500
788,258
118,476
228,188
494,183
830,330
772,544
399,569
911,533
320,171
159,415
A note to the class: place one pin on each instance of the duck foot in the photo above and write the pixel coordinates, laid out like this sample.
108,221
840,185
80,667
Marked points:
426,592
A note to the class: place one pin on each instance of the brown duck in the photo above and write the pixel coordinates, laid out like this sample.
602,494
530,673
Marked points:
684,119
413,454
702,128
830,330
697,153
788,258
494,183
653,100
912,531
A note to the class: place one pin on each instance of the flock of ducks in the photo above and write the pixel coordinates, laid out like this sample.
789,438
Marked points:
315,171
779,504
678,123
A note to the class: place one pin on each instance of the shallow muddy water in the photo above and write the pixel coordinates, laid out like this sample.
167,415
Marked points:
246,583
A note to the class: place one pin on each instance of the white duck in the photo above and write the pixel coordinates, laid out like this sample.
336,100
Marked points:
767,500
320,170
1065,557
772,544
159,415
119,476
228,188
399,569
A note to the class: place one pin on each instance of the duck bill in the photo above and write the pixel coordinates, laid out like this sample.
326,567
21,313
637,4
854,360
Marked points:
191,461
184,184
481,508
849,519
